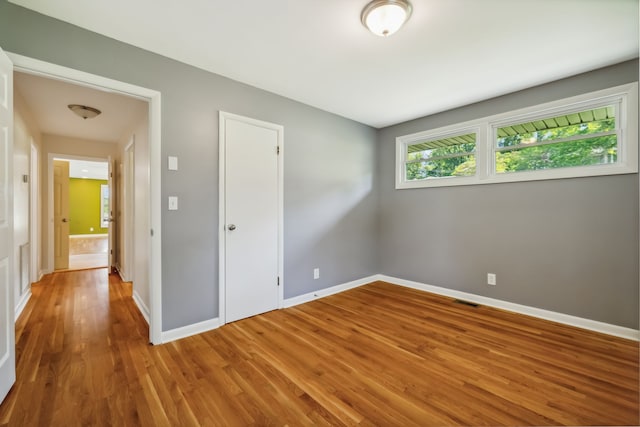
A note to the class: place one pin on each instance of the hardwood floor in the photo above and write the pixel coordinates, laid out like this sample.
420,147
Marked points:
86,261
376,355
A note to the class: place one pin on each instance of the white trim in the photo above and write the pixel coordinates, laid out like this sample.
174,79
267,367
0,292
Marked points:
625,97
50,228
222,235
190,330
222,116
144,310
593,325
127,207
566,319
22,303
153,97
403,142
34,212
311,296
118,268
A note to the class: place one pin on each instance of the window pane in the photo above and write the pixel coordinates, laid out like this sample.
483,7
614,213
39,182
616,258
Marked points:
104,206
455,166
531,146
586,122
452,156
582,152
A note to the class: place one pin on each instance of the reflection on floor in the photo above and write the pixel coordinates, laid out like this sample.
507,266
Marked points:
88,251
83,261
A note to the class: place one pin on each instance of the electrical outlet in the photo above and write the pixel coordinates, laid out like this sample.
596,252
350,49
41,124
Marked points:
491,279
316,273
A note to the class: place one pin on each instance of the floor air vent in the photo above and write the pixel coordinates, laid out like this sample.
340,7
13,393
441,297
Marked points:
470,304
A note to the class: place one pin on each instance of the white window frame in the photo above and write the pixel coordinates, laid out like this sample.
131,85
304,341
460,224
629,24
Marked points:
403,142
624,97
104,215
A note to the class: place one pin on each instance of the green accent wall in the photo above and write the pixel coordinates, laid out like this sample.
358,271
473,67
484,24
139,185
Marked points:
84,206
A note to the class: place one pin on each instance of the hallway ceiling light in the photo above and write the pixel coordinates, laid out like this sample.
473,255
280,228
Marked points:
84,111
385,17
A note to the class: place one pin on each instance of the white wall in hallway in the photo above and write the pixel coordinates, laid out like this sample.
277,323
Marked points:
26,132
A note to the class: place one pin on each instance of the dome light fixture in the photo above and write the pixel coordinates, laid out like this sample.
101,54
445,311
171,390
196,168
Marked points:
84,111
385,17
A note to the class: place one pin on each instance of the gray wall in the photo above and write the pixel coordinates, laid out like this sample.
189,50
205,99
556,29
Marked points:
330,198
567,245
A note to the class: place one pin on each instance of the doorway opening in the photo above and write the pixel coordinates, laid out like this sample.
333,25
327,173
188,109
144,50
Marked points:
149,226
84,227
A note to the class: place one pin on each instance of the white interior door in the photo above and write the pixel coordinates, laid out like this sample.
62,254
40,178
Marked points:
111,224
252,215
61,214
7,321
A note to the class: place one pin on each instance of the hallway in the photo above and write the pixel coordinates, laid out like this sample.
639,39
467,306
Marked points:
74,343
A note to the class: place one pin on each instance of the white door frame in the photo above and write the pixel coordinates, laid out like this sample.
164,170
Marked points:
128,210
222,242
34,214
153,97
50,230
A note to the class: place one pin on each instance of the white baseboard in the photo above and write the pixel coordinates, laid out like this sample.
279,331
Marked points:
144,310
593,325
22,303
122,273
189,330
301,299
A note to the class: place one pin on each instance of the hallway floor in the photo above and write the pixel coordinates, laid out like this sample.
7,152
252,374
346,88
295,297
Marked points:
88,251
84,261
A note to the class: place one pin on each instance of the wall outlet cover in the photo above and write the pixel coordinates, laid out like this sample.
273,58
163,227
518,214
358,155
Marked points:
173,163
491,279
173,203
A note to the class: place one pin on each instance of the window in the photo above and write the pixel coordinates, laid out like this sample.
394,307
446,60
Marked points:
444,157
105,214
593,134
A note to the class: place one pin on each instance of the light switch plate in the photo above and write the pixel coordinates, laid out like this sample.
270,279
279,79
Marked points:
173,203
173,163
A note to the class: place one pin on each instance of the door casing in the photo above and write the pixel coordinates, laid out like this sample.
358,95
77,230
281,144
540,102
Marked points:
34,214
59,244
223,116
45,69
128,211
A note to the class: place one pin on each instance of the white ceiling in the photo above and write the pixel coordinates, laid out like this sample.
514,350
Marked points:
48,99
450,53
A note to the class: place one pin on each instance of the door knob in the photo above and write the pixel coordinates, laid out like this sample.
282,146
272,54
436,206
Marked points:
65,220
231,227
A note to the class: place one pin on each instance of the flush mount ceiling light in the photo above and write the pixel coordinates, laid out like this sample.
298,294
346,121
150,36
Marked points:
84,111
385,17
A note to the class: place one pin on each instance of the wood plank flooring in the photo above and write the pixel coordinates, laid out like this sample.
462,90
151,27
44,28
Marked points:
86,261
376,355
